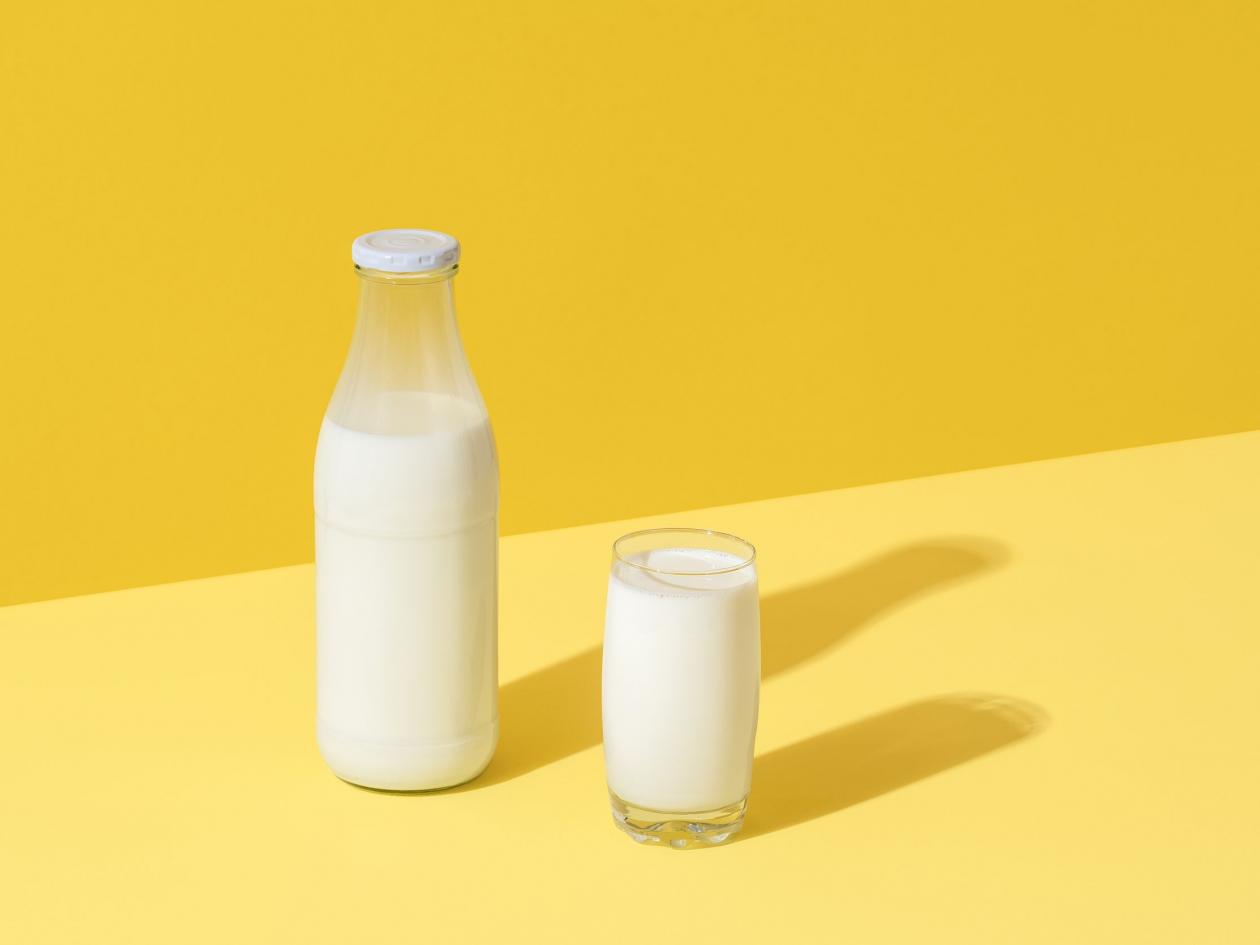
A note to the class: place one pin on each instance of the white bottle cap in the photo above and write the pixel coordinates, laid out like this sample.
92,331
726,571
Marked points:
405,250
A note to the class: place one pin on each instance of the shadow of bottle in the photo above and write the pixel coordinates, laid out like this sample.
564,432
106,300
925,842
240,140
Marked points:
879,754
555,712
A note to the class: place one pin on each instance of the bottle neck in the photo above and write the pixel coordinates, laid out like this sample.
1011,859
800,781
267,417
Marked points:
407,316
406,342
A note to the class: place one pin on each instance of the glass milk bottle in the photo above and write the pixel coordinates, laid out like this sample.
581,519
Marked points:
406,534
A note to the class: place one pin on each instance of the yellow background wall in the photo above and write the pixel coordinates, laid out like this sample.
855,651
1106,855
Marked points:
713,251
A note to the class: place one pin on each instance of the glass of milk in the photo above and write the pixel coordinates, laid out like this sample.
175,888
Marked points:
682,665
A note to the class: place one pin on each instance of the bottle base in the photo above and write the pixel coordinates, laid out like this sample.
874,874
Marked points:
428,766
678,830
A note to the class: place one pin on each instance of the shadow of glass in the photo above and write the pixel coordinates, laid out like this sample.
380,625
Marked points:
555,712
863,760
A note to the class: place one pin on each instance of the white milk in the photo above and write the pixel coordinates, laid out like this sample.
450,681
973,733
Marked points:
406,546
681,675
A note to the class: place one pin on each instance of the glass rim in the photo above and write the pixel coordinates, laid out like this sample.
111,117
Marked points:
749,557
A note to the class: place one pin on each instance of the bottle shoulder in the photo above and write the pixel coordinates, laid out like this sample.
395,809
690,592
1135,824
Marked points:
415,480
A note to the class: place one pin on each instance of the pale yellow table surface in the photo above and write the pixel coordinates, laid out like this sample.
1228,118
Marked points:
1014,705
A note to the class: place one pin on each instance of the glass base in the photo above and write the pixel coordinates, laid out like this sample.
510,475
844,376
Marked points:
682,831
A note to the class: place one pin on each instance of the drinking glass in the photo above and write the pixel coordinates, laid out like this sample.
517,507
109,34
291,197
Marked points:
682,667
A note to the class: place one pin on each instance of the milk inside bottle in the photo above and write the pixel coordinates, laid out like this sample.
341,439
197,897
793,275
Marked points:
406,534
